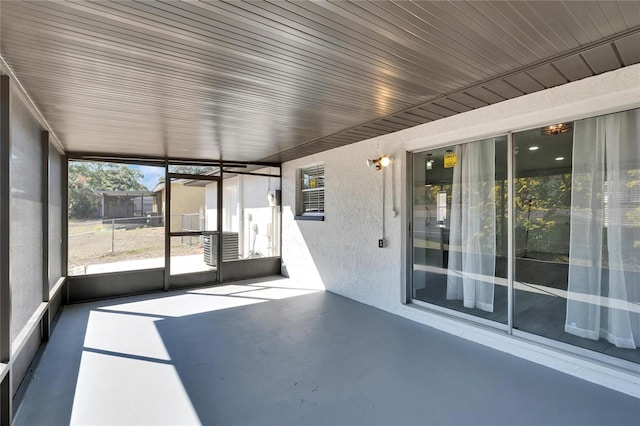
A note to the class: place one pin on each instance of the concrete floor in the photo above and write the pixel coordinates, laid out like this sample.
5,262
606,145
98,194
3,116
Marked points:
272,352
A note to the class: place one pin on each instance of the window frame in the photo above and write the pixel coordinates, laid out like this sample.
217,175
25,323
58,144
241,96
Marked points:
317,175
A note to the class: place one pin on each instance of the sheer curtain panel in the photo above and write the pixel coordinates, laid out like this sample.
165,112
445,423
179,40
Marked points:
604,251
472,245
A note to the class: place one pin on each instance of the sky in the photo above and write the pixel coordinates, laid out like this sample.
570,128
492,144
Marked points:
151,175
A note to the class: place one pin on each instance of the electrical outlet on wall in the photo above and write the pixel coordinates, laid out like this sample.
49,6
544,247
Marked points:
381,243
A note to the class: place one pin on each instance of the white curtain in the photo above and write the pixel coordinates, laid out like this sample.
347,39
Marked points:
603,296
472,238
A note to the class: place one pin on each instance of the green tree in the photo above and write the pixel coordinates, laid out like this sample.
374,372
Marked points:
188,170
87,178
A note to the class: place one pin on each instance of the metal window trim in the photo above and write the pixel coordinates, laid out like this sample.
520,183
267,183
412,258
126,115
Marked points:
451,313
191,233
250,174
510,231
46,170
45,321
461,141
305,206
159,161
407,225
188,176
601,358
312,217
6,397
138,161
5,193
64,256
219,219
167,228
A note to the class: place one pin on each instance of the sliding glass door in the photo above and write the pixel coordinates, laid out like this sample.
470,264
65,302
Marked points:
575,233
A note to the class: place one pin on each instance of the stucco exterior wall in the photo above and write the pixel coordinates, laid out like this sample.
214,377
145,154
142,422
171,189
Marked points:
341,253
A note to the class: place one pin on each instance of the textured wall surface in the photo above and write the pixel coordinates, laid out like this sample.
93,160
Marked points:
341,253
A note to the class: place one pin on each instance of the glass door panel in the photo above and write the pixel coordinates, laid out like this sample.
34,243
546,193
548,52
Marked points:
577,233
460,228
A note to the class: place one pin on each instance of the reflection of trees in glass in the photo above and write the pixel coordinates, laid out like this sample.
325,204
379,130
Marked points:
486,195
188,170
428,197
543,209
86,178
502,214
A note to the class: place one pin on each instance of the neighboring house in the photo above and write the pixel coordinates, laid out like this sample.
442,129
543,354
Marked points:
131,207
187,207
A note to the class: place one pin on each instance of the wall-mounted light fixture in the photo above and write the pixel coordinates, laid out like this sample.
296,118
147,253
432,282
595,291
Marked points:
379,162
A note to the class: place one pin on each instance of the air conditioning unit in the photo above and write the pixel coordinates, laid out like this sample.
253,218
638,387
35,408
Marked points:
229,247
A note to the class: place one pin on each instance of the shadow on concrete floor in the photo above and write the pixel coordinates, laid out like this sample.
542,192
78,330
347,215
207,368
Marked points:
264,353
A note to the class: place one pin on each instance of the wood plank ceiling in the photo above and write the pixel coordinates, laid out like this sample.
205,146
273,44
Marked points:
274,81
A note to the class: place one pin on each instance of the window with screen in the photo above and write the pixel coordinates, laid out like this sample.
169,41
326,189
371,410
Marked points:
311,192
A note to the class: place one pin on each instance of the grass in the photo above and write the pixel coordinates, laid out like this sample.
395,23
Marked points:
91,243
